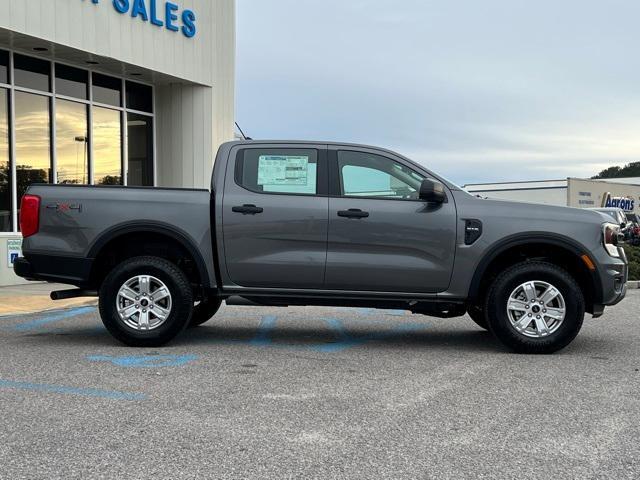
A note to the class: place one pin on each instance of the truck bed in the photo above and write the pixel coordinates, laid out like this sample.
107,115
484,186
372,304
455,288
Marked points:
75,221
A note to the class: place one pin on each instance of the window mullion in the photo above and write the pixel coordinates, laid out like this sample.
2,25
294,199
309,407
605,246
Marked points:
53,125
12,149
90,132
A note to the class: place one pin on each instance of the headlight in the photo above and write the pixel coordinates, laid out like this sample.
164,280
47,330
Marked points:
611,238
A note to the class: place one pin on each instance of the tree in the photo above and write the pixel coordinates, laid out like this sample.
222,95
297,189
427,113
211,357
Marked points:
630,170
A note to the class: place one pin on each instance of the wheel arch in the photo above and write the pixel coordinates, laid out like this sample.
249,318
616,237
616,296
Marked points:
532,245
157,229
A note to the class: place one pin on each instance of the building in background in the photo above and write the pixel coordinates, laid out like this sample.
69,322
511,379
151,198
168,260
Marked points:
113,93
573,192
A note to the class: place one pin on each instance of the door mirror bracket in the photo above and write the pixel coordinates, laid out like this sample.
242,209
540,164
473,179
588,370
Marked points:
432,191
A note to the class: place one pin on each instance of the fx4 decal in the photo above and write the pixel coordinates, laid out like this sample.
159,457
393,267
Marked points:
65,207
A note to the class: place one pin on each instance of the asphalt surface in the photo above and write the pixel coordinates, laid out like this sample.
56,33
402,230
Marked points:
317,393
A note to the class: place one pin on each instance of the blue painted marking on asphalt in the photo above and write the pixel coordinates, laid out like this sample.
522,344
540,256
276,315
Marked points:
84,392
343,341
145,361
53,318
347,340
374,311
263,337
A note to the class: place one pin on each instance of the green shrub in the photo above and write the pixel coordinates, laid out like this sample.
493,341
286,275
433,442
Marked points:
633,254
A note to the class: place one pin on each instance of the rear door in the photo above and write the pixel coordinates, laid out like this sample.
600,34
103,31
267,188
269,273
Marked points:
382,237
275,216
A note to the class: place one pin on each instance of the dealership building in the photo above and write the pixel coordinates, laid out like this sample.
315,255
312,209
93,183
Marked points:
110,92
621,193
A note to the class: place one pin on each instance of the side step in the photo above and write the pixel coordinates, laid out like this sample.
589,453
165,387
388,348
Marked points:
73,293
238,301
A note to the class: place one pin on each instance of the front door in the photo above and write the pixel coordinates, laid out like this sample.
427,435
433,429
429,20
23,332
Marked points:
275,216
382,237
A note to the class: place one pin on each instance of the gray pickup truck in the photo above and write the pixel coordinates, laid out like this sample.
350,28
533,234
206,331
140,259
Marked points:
300,223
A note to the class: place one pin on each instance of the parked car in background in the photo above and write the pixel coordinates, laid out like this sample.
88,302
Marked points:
633,228
616,213
299,223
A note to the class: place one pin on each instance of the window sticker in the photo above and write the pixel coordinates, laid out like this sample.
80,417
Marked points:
283,170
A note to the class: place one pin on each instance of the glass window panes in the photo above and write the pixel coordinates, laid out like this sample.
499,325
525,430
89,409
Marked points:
107,90
369,175
33,143
6,223
139,97
140,149
280,171
72,143
107,146
32,73
71,82
4,66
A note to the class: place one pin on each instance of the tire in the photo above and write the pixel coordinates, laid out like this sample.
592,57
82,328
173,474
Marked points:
509,306
166,315
204,311
478,316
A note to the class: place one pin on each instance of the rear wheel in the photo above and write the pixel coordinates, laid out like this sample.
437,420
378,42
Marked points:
146,301
535,307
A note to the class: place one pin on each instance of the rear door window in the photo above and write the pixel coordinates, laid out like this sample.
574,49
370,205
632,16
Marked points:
284,171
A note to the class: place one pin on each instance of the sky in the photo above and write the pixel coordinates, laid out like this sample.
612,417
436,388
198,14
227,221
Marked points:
478,91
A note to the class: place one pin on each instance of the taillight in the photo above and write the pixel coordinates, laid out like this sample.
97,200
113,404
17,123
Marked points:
29,215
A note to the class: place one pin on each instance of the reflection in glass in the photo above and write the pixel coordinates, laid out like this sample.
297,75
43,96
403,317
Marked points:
32,73
33,145
140,146
71,82
72,143
5,167
107,90
139,97
4,66
107,146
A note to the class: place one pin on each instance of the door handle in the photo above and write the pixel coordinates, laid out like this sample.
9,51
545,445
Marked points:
353,213
247,209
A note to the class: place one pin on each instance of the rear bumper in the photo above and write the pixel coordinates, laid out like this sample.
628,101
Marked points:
22,268
51,268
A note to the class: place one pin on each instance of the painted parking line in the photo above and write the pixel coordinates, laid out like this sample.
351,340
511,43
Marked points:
52,318
145,361
64,390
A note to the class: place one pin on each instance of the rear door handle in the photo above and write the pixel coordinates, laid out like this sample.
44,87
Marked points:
353,213
247,209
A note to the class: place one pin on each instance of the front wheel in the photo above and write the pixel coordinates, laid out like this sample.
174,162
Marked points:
535,307
146,302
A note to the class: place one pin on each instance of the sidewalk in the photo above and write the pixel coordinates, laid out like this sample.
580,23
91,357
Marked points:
34,297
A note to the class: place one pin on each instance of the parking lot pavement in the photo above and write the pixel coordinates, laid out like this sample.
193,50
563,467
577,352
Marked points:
317,393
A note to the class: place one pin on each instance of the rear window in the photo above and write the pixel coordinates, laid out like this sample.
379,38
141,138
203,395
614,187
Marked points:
285,171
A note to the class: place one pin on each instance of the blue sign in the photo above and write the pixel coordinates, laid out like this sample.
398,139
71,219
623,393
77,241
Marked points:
162,14
627,204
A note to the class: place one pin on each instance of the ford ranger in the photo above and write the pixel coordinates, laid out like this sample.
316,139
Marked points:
300,223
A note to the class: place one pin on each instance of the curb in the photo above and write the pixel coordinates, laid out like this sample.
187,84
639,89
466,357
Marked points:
633,285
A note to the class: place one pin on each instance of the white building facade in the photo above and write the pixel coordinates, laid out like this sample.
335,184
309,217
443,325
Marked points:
129,92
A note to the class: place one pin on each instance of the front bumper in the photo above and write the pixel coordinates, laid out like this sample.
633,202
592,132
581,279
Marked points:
613,273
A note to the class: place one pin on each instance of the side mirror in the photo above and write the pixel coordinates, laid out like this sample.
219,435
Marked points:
432,191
